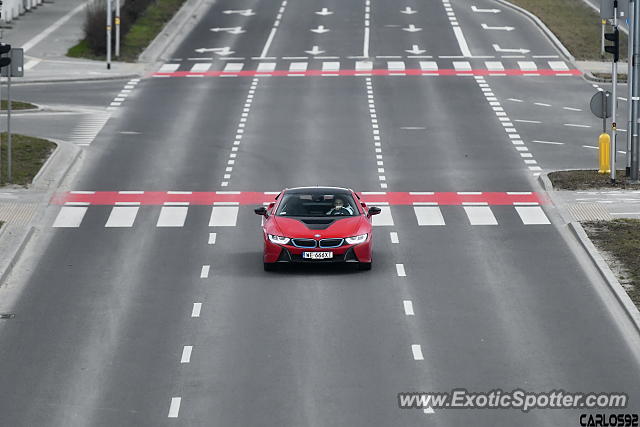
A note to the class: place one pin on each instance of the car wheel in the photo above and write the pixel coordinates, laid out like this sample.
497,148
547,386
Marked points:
364,266
269,266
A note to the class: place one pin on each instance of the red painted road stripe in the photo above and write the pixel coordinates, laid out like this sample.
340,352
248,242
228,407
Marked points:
377,72
256,198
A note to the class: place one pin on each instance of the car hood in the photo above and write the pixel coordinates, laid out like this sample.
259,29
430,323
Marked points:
325,227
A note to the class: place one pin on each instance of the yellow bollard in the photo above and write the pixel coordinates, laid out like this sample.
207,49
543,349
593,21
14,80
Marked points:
604,145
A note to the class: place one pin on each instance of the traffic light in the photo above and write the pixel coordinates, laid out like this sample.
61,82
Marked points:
4,59
615,48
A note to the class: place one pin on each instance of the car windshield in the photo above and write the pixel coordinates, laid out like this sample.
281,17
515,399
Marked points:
317,204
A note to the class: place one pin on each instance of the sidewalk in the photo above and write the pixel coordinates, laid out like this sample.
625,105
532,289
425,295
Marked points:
46,33
595,205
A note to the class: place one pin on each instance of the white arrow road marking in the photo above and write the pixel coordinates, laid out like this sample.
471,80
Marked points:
230,30
415,50
499,49
314,51
222,51
412,29
321,29
408,11
475,9
245,12
324,12
486,27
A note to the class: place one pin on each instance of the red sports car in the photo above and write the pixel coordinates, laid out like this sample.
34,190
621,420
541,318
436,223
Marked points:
317,225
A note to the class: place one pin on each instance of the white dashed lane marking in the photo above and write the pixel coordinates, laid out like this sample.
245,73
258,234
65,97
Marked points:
195,311
416,349
186,354
408,307
204,271
400,270
174,407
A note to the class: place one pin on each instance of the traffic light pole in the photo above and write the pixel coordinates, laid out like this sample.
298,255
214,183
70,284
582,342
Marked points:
117,53
614,93
9,145
630,84
635,98
108,34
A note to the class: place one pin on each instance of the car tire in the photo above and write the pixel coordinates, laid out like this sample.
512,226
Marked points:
269,266
364,266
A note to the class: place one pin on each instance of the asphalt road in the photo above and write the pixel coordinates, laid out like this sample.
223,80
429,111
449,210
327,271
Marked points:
179,325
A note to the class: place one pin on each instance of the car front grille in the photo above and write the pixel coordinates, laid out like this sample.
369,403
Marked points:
304,243
331,243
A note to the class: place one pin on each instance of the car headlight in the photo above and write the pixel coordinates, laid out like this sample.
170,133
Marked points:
356,239
279,240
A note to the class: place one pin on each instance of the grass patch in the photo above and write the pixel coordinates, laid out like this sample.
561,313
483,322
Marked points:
82,50
147,27
17,105
589,180
29,154
620,241
575,24
139,36
622,78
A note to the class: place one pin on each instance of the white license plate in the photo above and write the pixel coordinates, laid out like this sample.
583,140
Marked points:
317,255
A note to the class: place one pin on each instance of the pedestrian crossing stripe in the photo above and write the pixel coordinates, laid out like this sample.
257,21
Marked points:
256,198
174,215
368,68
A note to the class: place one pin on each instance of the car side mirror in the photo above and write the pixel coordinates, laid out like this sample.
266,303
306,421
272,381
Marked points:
373,210
261,211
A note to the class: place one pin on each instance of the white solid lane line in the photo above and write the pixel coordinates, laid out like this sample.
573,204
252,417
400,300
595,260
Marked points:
172,216
265,49
408,307
394,237
429,215
223,216
186,354
122,216
204,271
532,215
400,270
174,408
548,142
464,48
195,311
417,352
480,215
70,216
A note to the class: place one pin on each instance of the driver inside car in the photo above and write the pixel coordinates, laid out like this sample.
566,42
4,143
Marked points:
339,208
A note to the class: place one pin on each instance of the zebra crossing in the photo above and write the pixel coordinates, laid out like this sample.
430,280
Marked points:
365,67
88,128
226,214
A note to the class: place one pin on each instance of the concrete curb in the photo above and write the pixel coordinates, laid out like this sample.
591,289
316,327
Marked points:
171,31
17,239
14,238
552,37
601,265
80,79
